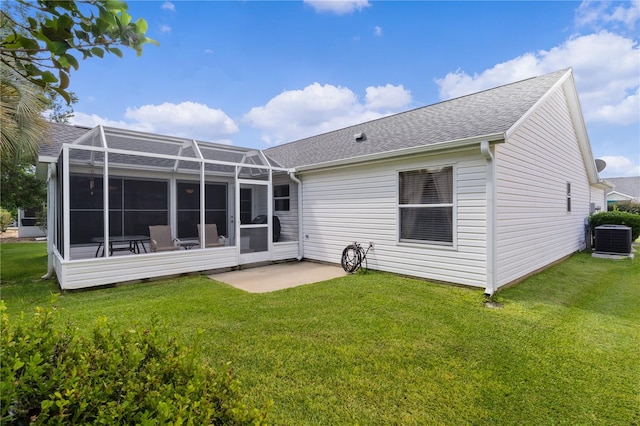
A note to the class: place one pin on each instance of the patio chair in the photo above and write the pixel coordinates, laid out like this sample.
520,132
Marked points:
211,238
161,239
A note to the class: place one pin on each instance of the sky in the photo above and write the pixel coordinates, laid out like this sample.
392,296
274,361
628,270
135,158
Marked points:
260,73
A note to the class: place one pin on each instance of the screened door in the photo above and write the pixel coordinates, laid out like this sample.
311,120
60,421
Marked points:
254,223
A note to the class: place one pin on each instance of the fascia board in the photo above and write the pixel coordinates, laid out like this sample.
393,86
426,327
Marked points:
581,130
514,128
47,159
603,184
440,146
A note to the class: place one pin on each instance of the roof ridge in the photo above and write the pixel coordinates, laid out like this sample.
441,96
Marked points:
562,71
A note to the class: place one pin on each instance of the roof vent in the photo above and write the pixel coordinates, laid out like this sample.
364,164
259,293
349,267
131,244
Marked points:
359,137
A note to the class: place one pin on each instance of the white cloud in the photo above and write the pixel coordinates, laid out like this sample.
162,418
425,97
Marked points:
317,109
187,119
377,31
93,120
626,112
208,51
598,14
605,67
165,29
167,5
620,166
338,7
387,97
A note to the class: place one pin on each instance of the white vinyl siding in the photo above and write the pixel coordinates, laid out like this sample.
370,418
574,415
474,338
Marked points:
288,219
598,199
359,203
533,169
87,273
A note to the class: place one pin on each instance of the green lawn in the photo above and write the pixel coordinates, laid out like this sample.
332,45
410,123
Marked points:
380,349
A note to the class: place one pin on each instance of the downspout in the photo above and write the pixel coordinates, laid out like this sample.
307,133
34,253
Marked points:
51,211
485,149
293,177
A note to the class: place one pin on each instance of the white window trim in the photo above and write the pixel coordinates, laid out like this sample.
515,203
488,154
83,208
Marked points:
454,220
282,198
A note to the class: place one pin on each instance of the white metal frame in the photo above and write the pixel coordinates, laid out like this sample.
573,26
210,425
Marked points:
199,158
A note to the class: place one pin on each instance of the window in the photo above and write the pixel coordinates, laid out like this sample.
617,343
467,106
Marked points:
568,197
281,198
215,207
426,205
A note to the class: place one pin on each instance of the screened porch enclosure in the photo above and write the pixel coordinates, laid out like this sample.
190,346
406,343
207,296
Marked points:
112,185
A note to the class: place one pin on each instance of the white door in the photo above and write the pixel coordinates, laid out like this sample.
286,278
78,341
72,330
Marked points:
254,226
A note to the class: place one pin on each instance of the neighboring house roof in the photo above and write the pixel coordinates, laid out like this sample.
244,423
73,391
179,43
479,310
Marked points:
488,113
625,188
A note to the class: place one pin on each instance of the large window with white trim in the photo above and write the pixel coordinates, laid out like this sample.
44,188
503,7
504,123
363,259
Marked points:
426,205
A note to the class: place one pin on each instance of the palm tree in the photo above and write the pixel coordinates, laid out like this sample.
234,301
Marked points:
22,126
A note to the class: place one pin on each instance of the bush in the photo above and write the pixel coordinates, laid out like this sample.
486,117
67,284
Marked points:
6,219
626,206
617,218
51,375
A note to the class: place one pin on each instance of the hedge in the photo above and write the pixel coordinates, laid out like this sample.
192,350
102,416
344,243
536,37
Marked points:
625,206
617,218
51,375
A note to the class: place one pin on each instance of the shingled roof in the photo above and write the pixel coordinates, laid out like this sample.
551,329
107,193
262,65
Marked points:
488,112
59,134
626,185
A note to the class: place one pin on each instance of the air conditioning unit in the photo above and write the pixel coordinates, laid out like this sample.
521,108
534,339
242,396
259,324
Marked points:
615,239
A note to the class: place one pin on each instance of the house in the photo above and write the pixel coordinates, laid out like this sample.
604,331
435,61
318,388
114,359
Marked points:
480,190
28,223
624,189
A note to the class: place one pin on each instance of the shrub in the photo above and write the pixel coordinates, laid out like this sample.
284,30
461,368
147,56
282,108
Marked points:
6,219
52,375
626,206
617,218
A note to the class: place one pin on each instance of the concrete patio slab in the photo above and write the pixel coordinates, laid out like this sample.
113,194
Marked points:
279,276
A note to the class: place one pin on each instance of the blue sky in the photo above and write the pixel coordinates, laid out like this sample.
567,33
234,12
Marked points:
259,73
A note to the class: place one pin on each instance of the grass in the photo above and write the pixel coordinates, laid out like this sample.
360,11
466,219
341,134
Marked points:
380,349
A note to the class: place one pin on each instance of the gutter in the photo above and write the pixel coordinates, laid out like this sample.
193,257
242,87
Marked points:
485,150
440,146
293,177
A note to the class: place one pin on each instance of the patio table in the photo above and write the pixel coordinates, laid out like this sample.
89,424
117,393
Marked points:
188,244
133,243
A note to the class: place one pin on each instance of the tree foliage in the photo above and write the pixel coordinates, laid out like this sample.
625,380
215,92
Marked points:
23,126
20,186
45,47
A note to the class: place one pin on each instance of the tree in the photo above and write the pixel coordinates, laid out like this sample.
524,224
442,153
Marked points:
43,48
20,187
39,41
57,109
23,127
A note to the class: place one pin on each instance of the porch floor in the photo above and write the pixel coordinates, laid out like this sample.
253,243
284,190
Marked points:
279,276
